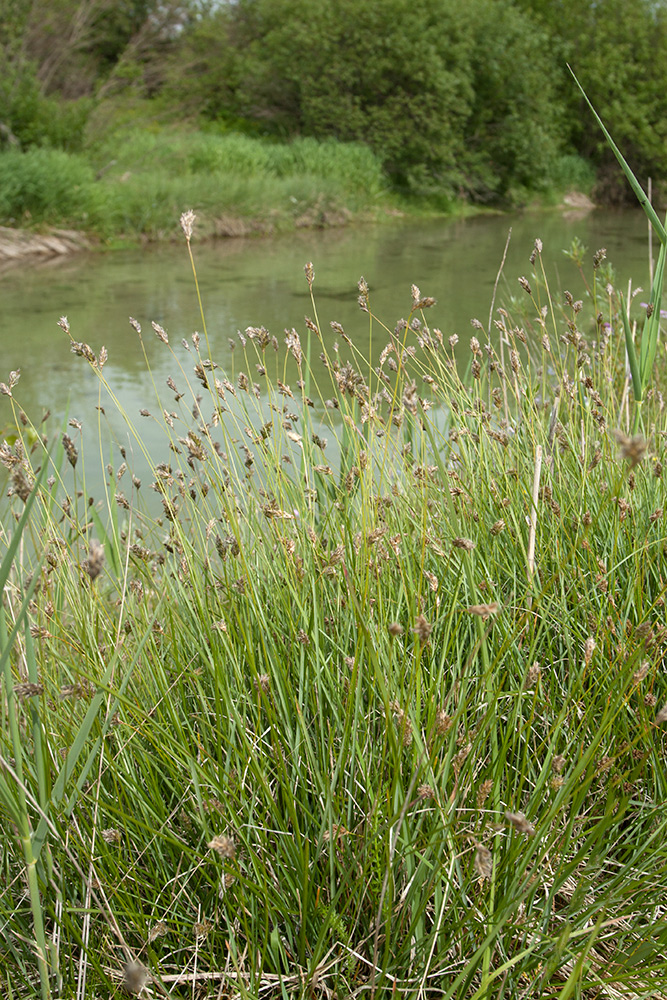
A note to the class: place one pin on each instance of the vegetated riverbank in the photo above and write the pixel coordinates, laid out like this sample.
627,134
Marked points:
375,699
130,184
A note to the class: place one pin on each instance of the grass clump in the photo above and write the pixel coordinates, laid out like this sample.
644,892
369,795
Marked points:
368,696
136,181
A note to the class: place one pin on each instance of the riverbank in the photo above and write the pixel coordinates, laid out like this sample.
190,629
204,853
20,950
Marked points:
129,186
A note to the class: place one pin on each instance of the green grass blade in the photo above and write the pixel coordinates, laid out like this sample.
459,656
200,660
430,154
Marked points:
632,354
625,166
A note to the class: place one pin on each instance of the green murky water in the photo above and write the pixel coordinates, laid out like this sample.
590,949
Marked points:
261,282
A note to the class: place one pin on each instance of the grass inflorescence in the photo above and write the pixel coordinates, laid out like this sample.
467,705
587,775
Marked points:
373,700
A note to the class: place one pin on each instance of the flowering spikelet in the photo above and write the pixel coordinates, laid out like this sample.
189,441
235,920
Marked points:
523,281
310,274
294,345
187,222
160,332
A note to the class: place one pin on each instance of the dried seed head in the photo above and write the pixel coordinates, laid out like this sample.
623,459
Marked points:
589,647
520,823
632,449
157,930
483,862
661,716
95,561
463,543
598,257
201,928
70,450
111,836
25,690
310,274
395,629
224,846
443,722
483,792
160,332
523,281
558,763
135,976
453,340
187,222
425,792
422,628
533,675
263,682
484,610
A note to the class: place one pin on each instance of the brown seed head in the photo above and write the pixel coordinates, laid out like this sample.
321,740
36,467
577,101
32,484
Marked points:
464,543
483,862
224,846
484,610
94,563
310,274
520,823
25,690
160,332
632,449
422,628
395,629
135,976
532,675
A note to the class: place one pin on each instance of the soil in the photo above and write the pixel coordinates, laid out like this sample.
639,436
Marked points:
20,244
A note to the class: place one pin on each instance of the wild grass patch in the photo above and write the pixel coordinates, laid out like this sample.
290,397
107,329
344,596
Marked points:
369,697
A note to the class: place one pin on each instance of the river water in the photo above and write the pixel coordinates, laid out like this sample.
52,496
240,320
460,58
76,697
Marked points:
261,282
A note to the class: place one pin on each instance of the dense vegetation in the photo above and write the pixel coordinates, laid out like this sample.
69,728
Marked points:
454,101
368,696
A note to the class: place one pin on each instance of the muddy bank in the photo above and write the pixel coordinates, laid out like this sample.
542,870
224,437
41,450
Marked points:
20,244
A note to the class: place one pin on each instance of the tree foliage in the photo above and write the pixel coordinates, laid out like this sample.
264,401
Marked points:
455,99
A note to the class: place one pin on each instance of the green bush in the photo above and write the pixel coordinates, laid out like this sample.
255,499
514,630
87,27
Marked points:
45,185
